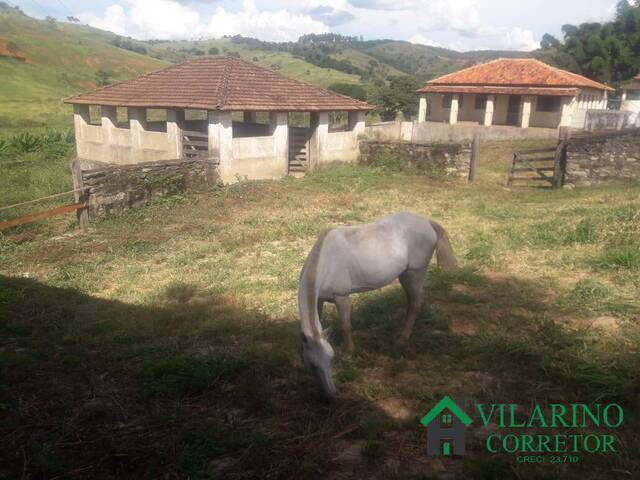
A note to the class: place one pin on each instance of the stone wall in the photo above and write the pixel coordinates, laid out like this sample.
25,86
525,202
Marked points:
437,160
599,158
113,188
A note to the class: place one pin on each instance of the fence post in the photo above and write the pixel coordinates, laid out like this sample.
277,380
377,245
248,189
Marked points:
475,157
559,163
79,196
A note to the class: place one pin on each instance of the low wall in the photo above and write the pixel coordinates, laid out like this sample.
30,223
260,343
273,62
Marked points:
599,158
448,160
339,147
436,132
255,158
113,188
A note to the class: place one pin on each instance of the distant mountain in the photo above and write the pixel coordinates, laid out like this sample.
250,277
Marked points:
43,61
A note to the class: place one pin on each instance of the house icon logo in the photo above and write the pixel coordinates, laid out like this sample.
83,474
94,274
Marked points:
446,424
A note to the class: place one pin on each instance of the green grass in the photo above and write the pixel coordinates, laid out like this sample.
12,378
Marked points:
165,339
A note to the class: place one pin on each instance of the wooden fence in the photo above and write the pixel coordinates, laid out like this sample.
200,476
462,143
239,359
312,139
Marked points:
539,165
80,205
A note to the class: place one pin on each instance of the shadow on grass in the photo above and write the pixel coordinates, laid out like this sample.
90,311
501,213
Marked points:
196,386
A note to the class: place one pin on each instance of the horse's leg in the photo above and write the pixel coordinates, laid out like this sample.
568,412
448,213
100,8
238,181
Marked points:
412,282
343,304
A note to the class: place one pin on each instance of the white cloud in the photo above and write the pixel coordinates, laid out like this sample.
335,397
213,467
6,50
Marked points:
520,39
170,19
422,39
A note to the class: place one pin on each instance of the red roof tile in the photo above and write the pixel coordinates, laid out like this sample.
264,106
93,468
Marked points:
219,83
489,90
517,73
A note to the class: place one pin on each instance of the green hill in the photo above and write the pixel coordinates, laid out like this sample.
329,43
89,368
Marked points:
42,62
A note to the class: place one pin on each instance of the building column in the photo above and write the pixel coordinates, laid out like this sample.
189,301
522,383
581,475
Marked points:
249,117
318,141
81,119
175,122
109,124
525,111
488,110
357,122
568,105
422,109
453,113
279,127
137,127
624,95
221,143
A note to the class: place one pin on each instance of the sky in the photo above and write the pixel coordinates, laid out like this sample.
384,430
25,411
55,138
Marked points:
457,24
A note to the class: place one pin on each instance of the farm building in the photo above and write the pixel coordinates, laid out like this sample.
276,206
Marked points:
519,92
630,98
252,122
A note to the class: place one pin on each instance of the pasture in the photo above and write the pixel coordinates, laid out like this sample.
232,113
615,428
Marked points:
162,343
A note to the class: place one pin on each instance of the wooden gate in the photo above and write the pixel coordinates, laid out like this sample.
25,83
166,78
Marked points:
539,165
195,144
299,149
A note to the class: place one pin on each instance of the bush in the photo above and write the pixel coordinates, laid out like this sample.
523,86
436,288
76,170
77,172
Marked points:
53,143
25,142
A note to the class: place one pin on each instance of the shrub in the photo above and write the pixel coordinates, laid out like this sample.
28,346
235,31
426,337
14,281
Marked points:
25,142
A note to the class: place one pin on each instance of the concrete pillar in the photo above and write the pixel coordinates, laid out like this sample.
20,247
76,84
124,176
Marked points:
221,143
624,95
137,127
357,122
175,122
109,124
249,117
422,109
525,111
279,127
318,141
488,110
568,106
453,113
81,119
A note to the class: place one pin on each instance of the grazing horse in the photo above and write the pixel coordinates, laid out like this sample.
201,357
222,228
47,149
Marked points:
356,259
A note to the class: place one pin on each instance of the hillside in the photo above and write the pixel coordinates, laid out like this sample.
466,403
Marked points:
42,62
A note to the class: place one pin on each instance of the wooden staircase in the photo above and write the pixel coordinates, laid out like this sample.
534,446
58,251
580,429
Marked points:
299,149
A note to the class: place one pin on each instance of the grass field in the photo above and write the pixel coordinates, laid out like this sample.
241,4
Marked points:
162,343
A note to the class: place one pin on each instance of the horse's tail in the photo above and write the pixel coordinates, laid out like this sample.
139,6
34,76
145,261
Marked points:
444,252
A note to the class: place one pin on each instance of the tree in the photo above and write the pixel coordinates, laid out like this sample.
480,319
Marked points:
103,78
399,96
50,19
350,89
13,47
214,51
73,19
549,41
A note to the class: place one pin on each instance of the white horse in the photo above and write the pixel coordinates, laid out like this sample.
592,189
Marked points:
356,259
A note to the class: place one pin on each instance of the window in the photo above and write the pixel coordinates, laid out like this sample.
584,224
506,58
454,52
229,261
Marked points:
481,102
548,104
446,419
156,119
95,115
446,100
122,117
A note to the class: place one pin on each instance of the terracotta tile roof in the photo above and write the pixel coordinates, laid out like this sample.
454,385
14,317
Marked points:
517,73
547,91
219,83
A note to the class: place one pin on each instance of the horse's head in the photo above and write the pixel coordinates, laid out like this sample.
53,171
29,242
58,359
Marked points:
317,355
